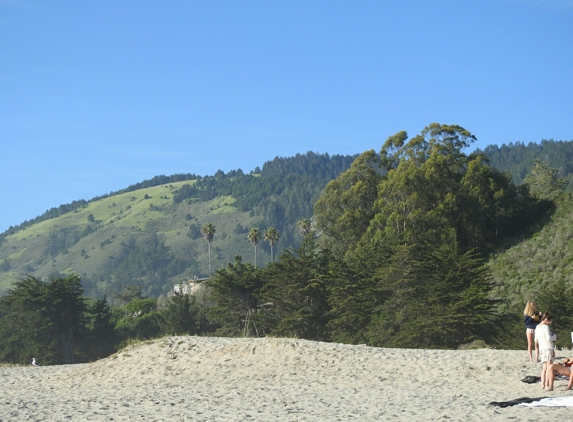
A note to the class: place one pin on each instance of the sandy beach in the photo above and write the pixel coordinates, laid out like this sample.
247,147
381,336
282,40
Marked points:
223,379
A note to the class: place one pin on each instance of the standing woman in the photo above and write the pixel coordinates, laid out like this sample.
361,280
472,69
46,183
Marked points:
531,317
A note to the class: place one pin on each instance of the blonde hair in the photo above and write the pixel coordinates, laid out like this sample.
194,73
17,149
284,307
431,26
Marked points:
530,308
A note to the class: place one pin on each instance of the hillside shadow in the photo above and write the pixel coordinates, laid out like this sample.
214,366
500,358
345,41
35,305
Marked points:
540,217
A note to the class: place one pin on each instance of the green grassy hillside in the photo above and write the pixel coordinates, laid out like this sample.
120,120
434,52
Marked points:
538,261
148,234
95,241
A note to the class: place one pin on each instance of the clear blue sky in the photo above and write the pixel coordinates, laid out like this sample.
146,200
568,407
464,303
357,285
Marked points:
98,95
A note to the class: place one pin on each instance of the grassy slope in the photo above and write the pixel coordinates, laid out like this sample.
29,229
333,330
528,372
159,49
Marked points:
538,261
120,217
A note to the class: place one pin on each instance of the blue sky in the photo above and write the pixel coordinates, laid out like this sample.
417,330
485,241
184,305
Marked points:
96,96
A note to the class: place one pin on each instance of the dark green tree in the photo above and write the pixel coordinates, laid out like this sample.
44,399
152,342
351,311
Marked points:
138,319
66,310
24,327
42,320
181,316
194,231
101,339
296,286
235,292
435,301
357,291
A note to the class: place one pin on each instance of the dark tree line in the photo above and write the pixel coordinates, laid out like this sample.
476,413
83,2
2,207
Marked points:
403,297
56,324
282,192
52,322
517,158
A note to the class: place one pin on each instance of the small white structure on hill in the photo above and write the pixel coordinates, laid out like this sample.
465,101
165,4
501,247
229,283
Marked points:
190,287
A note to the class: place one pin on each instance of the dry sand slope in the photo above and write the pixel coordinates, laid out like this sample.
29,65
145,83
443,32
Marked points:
221,379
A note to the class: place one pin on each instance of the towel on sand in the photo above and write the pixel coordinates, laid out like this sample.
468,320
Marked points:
566,401
516,401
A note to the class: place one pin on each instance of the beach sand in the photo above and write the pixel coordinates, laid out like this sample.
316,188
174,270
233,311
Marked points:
270,379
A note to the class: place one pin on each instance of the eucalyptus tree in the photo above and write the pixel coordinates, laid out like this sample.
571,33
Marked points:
254,236
272,236
434,193
344,211
208,232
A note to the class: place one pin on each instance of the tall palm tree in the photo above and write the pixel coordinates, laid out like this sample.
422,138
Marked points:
254,236
208,232
272,236
304,226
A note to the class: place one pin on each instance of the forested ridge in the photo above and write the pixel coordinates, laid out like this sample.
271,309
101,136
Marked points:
304,170
517,158
149,234
283,189
416,245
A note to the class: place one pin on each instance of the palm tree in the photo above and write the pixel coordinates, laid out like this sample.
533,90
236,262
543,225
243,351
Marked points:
208,232
254,236
272,236
304,226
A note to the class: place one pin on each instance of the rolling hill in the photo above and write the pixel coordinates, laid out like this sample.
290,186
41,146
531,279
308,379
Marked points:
149,235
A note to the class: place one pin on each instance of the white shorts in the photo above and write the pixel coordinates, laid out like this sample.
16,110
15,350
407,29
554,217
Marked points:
546,355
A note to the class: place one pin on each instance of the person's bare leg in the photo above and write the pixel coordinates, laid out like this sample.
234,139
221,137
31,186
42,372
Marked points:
570,379
536,351
530,345
561,370
550,376
543,373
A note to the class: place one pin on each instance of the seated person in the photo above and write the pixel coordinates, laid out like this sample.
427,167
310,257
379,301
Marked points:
561,369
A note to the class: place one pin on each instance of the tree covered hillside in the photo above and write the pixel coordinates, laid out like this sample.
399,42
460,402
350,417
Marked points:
518,159
397,258
149,235
417,245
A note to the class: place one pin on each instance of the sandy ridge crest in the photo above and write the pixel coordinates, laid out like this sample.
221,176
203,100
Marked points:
212,378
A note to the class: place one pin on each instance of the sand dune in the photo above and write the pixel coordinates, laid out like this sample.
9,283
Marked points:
222,379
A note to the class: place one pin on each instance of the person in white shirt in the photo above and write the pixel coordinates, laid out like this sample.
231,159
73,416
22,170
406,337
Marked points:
546,339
